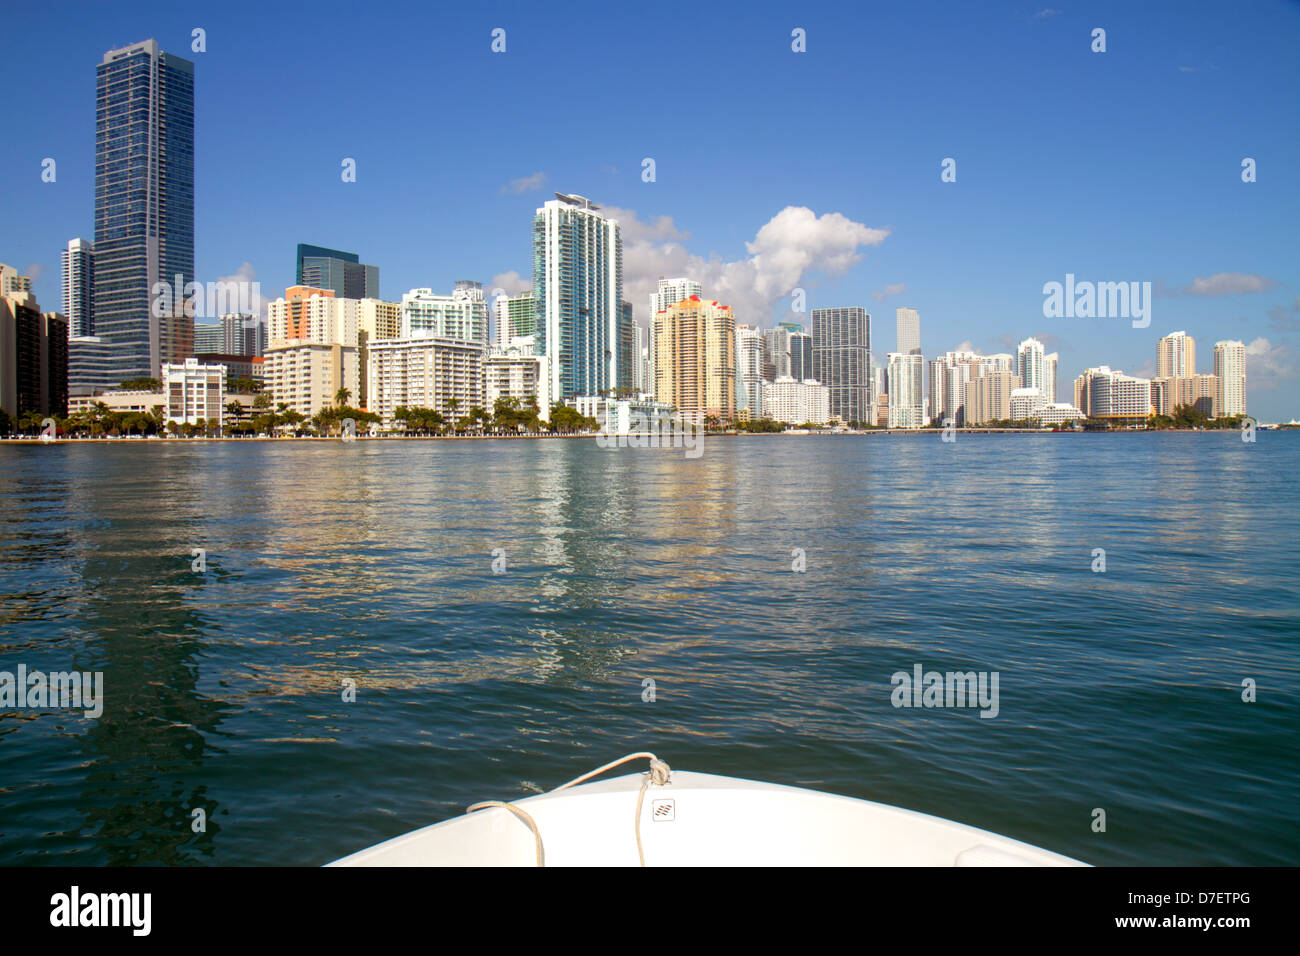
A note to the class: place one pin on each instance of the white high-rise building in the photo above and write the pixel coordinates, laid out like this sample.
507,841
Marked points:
79,287
906,373
462,315
749,370
1230,370
1031,365
1051,361
578,284
909,331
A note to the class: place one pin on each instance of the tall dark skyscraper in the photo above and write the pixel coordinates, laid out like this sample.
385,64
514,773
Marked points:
344,272
841,354
144,206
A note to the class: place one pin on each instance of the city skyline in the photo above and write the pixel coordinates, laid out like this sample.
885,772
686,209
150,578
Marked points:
879,233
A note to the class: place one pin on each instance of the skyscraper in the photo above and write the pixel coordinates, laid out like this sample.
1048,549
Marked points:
906,376
749,370
909,331
841,352
695,360
1031,365
1176,356
578,283
79,287
144,206
1230,370
344,272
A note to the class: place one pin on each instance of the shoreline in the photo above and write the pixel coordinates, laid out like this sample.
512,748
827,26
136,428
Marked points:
36,440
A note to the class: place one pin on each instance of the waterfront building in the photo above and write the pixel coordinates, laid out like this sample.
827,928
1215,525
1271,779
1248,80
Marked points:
578,282
144,208
906,381
1230,372
1031,367
1058,413
1102,392
1176,356
749,371
194,391
91,366
841,351
306,375
442,374
987,396
516,371
79,287
1026,403
625,416
795,403
33,352
695,360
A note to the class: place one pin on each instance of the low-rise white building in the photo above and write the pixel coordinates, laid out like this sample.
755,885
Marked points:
445,375
1058,413
515,371
794,402
194,391
624,416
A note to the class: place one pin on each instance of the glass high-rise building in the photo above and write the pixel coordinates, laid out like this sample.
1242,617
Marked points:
841,354
144,207
343,272
578,284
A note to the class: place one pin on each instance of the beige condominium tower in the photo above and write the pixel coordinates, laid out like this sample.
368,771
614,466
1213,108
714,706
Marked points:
695,359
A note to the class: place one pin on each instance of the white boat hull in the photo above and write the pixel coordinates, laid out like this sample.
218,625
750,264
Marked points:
700,819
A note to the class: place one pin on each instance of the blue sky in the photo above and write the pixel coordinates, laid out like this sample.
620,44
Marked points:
1115,166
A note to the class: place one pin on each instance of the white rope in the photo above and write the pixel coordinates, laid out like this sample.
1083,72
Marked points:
659,774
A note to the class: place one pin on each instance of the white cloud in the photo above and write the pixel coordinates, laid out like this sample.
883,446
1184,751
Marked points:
791,247
1229,283
511,283
1268,365
1044,14
880,295
524,184
246,274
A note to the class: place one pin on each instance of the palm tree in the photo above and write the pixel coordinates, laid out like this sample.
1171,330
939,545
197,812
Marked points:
341,396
